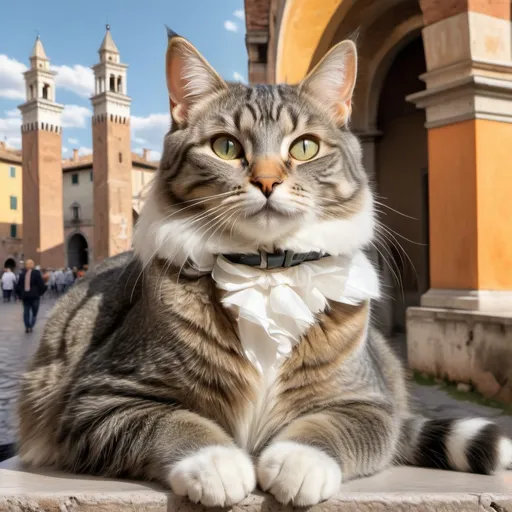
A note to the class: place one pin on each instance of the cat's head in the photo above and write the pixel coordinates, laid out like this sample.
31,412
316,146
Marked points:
257,167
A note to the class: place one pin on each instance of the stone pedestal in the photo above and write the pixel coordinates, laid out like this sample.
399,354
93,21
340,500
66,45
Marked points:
398,489
463,331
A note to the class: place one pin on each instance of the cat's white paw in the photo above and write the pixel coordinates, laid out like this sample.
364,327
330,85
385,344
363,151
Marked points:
298,474
216,476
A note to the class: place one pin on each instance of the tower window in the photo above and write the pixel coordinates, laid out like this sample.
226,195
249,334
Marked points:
14,230
112,84
119,82
74,179
46,91
14,202
31,94
12,172
120,158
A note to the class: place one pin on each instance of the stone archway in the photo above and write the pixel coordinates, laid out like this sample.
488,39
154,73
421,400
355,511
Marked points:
401,176
78,251
10,263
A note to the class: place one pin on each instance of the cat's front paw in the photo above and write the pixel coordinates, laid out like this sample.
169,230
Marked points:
216,476
298,474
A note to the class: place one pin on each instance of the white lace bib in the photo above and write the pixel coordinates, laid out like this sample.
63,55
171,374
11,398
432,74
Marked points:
275,308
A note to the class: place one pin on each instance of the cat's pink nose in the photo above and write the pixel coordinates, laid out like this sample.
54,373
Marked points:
266,184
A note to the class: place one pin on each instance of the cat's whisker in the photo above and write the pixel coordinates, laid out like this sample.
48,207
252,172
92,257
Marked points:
195,218
394,210
208,223
219,224
390,263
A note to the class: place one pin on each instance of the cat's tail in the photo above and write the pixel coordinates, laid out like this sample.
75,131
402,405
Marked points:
473,445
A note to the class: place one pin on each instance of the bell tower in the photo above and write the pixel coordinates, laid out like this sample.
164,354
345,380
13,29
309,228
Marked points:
112,162
41,135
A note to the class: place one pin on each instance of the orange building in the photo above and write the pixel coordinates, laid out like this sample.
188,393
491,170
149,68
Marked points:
433,110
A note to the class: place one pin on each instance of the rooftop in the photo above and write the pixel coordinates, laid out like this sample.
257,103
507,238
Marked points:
38,50
108,44
9,155
85,161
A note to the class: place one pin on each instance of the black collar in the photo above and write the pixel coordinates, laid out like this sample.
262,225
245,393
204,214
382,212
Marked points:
283,259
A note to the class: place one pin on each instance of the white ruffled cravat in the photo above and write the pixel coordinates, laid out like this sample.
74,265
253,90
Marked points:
276,307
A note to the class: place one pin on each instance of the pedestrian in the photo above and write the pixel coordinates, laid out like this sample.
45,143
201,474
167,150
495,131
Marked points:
30,289
8,284
60,280
70,278
52,284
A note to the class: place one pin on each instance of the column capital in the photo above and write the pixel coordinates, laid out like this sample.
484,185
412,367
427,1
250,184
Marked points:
469,70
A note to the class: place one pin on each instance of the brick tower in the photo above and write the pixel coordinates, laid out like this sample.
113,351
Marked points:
43,222
112,161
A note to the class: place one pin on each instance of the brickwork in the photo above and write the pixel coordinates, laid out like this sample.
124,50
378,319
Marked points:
43,224
112,186
257,14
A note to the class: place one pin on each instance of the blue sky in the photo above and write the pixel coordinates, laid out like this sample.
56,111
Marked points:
72,31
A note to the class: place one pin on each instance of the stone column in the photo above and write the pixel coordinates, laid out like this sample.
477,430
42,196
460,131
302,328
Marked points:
463,330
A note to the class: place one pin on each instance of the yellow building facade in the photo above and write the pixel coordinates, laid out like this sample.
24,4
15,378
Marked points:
433,111
11,210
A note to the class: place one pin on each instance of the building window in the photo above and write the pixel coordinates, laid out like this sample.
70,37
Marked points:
46,91
31,88
12,172
119,84
92,176
14,231
112,83
74,179
120,158
76,211
14,203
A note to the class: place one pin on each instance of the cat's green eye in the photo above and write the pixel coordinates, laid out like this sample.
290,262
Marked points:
227,148
304,149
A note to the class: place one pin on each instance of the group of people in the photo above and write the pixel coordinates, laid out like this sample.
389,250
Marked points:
32,283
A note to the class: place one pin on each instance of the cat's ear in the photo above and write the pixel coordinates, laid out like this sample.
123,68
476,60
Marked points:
333,79
189,76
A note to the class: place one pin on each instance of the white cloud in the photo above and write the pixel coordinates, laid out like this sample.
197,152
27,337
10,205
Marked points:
78,79
71,140
84,151
231,26
65,149
239,13
10,128
75,116
149,131
239,77
12,84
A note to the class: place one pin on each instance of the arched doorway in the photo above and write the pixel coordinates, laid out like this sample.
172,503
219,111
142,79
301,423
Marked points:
402,183
77,251
10,263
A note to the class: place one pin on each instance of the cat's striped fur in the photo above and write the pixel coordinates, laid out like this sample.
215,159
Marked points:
140,372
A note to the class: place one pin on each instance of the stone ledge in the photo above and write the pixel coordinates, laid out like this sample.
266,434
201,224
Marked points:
397,489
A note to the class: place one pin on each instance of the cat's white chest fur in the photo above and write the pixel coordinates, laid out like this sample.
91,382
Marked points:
275,308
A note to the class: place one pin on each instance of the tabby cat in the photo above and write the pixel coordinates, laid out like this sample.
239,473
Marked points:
146,368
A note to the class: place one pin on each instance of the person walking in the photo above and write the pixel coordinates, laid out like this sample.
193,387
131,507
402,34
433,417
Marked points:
8,284
30,289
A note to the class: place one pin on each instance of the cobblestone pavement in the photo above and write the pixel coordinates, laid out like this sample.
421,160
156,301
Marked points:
435,402
16,348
